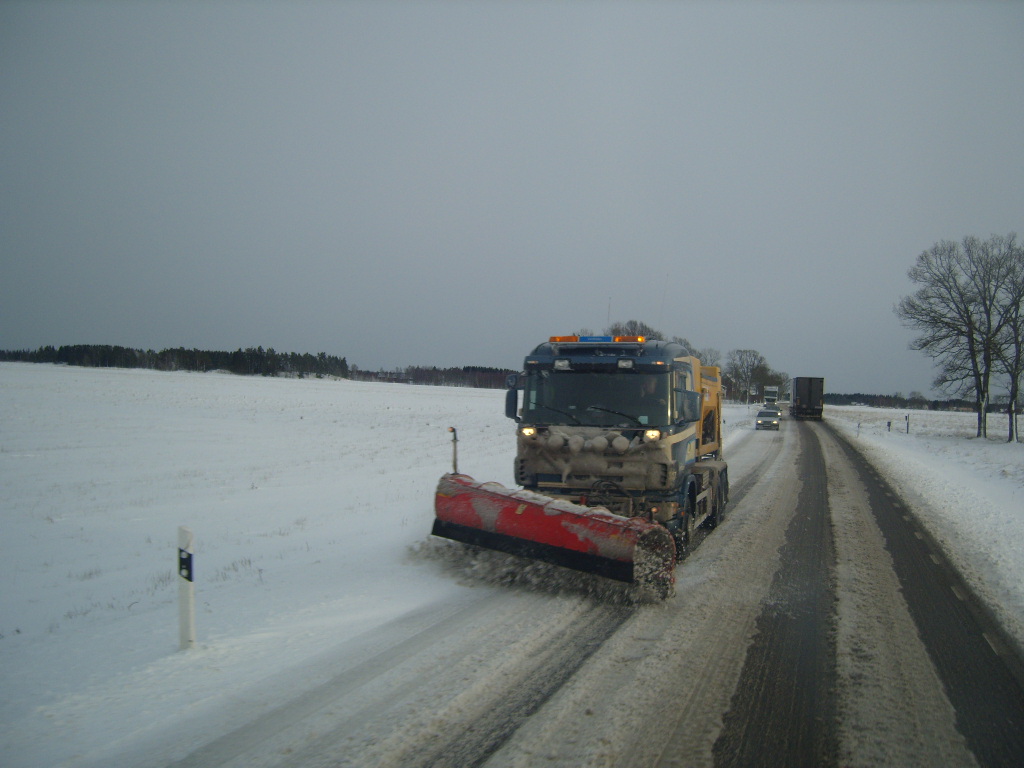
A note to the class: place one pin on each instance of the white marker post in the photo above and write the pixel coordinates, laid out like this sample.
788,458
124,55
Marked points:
455,449
186,590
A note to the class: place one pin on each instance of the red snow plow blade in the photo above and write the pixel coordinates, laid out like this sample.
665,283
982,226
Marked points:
555,531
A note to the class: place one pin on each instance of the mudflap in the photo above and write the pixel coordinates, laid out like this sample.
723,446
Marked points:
527,524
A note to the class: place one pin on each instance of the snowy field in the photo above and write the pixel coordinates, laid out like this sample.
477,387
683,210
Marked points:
310,501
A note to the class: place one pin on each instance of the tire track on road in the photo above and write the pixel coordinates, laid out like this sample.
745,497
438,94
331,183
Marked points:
783,712
450,693
465,731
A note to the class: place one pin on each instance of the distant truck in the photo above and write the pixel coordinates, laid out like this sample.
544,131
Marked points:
771,395
807,397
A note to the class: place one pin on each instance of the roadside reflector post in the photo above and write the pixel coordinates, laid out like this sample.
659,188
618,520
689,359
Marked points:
186,590
908,423
455,449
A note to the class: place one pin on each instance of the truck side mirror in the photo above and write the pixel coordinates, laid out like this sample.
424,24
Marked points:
689,405
512,403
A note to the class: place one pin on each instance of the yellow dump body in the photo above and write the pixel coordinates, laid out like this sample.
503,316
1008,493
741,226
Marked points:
709,384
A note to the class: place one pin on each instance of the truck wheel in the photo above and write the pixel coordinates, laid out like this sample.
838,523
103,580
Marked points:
686,529
682,526
715,517
718,513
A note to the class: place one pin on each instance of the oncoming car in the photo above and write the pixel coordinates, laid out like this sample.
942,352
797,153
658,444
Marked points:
767,420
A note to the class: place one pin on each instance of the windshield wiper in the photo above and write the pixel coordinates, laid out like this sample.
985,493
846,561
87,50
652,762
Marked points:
575,420
616,413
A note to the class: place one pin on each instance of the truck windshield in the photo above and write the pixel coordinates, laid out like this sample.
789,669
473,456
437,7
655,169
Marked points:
596,399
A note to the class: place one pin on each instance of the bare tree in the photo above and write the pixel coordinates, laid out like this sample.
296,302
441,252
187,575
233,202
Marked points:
683,342
958,312
708,356
742,366
1011,351
762,377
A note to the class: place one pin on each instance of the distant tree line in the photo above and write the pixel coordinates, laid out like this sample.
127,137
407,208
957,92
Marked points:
468,376
913,401
247,362
254,362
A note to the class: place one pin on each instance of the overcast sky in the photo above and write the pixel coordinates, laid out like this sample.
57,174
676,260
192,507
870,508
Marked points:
450,183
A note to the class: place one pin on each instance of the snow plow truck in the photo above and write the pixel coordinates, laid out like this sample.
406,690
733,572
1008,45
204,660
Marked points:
619,455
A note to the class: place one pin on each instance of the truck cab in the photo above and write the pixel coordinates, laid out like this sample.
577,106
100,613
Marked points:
618,422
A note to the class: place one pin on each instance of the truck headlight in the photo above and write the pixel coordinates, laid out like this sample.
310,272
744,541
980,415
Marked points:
528,431
652,434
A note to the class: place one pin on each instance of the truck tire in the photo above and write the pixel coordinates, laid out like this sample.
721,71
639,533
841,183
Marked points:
715,517
681,526
684,539
720,504
720,499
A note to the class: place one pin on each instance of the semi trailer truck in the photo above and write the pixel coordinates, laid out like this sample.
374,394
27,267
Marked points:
807,397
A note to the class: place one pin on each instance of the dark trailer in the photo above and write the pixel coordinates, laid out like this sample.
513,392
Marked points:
807,397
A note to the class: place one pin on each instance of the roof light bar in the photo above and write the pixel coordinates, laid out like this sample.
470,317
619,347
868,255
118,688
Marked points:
598,339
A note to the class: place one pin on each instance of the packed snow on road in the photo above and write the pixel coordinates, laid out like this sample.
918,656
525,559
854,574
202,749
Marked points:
310,502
